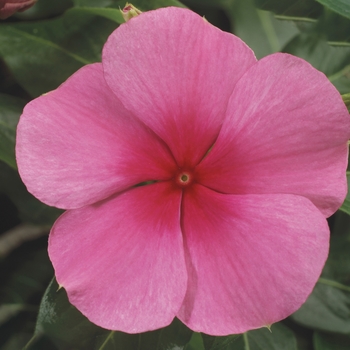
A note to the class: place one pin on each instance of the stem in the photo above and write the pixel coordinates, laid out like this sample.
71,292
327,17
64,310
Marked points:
246,341
334,284
107,340
30,342
294,18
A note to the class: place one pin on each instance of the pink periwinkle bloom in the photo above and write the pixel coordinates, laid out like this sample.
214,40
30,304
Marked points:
9,7
243,160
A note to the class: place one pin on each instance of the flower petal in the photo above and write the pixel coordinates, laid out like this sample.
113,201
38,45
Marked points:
77,145
175,71
252,259
122,261
285,131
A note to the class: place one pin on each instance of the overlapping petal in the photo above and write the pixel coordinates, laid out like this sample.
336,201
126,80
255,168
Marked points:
77,145
286,131
122,261
175,71
252,259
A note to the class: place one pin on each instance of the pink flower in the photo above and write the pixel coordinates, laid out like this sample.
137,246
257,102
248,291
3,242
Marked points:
9,7
245,160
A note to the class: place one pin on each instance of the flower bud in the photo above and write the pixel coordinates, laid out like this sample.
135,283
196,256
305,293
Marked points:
9,7
130,11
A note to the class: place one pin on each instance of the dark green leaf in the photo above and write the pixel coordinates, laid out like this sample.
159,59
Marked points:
17,341
145,5
7,311
280,337
314,49
340,6
346,99
173,337
10,111
24,275
29,272
30,209
327,309
217,343
259,29
335,28
346,205
59,321
93,3
337,269
44,9
67,328
109,13
154,4
330,26
327,341
42,55
291,8
205,3
332,60
196,342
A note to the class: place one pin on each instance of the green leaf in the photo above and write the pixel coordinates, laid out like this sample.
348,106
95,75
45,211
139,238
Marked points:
109,13
30,209
280,337
327,309
220,343
17,341
44,9
346,205
67,328
327,341
93,3
41,55
310,46
196,342
340,6
205,3
10,111
336,272
331,26
145,5
346,99
154,4
173,337
7,311
334,61
24,275
335,28
298,10
259,29
27,273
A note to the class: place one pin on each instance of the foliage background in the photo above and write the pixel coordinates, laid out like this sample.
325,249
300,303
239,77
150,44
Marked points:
42,47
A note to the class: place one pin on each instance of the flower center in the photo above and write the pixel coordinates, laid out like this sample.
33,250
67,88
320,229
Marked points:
184,178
